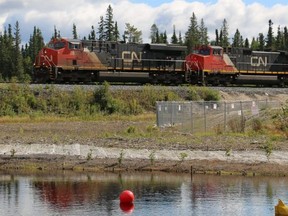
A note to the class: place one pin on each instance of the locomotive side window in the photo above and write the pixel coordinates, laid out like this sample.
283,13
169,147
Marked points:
59,45
74,45
217,52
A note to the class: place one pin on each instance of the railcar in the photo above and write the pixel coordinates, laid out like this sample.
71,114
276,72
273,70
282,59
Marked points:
210,65
66,60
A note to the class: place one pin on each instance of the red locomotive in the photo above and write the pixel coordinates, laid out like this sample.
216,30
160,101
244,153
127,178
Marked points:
210,65
66,60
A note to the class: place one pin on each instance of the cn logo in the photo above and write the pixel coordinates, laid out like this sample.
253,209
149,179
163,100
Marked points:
257,61
129,56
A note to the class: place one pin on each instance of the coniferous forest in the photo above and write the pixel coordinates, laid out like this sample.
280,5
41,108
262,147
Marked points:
16,57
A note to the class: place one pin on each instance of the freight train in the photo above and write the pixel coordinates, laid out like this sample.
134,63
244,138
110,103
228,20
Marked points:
86,61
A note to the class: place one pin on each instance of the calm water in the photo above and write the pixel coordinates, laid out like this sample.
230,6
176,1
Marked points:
156,194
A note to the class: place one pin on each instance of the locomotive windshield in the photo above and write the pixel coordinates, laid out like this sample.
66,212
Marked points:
57,45
204,51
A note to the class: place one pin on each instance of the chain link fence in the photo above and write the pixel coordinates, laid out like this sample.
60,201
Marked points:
210,116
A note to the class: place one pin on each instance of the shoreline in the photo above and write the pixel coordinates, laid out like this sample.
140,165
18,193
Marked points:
79,157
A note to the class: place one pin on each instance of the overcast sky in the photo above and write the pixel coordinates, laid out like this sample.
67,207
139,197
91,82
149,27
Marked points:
249,16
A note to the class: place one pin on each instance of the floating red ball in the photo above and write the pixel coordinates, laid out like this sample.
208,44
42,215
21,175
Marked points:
126,196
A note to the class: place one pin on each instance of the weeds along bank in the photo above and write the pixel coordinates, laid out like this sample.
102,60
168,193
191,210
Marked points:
21,100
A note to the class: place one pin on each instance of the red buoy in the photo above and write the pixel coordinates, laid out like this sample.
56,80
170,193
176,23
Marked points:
126,196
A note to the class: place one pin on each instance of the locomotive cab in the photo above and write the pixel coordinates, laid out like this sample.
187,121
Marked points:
209,65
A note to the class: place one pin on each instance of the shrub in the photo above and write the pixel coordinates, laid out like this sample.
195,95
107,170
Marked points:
196,93
257,125
105,100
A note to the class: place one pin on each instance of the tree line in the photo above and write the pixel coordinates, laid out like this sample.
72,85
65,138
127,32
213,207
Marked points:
16,60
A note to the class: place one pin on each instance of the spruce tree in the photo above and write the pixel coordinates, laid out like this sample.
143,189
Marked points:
217,37
109,25
74,32
237,39
174,39
225,34
285,38
246,43
261,42
92,35
203,33
18,71
279,42
180,39
101,29
269,40
153,33
192,38
116,32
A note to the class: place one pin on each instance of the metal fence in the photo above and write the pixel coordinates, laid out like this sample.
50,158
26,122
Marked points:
208,116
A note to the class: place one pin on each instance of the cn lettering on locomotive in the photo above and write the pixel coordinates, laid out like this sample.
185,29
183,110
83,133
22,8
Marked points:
257,61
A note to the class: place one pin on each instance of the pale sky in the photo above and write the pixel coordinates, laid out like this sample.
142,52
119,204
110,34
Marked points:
249,16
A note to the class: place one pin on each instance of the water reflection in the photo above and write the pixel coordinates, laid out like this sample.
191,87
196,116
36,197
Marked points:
167,194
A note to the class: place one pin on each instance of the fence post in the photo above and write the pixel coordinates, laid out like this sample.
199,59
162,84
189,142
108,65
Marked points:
205,126
225,111
242,117
191,115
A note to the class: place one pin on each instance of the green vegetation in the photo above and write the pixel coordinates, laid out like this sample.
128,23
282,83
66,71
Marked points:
121,157
152,157
21,100
182,156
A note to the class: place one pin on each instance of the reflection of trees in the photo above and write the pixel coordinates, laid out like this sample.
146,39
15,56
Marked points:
62,194
9,190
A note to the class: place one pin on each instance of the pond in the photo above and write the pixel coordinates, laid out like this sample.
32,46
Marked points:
69,193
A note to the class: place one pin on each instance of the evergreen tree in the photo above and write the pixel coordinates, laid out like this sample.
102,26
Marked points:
261,42
180,38
153,33
163,37
6,54
92,35
269,40
192,38
109,25
279,42
217,37
221,38
56,33
174,39
225,34
237,39
101,29
18,71
246,43
74,32
203,33
285,38
254,44
116,32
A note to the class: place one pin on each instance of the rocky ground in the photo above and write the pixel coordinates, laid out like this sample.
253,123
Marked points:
109,147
